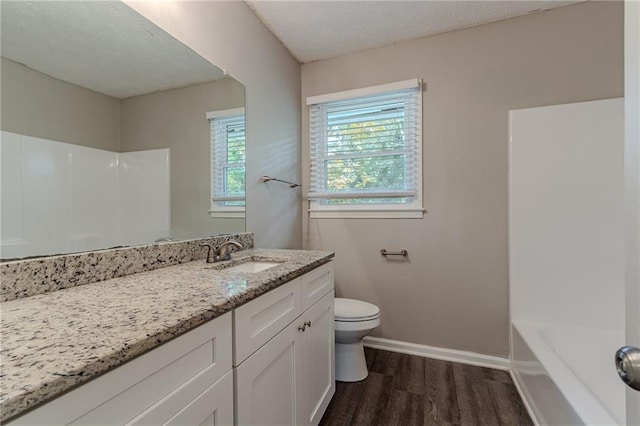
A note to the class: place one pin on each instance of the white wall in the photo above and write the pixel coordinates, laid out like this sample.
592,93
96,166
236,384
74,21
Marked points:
453,291
230,35
566,214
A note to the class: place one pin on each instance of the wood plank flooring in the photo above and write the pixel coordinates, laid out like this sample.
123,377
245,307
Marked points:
410,390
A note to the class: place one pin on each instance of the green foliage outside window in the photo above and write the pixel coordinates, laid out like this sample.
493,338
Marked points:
348,165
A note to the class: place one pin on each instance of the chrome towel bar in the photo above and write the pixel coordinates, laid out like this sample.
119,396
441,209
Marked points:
268,178
402,253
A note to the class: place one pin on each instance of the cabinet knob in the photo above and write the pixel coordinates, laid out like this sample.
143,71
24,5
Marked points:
302,327
307,323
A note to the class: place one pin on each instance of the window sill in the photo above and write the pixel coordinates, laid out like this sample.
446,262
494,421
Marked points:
222,214
367,214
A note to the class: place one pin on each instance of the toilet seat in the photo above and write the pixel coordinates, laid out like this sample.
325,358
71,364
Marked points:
350,310
357,325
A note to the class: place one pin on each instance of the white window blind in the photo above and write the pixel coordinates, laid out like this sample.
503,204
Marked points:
367,149
227,160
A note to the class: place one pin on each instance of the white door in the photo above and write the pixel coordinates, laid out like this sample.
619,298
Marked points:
319,358
269,382
632,190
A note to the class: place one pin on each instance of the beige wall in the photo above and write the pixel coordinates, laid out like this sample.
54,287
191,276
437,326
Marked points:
176,119
230,35
37,105
453,291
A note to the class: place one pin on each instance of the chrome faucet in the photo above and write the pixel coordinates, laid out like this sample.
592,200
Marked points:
223,250
220,253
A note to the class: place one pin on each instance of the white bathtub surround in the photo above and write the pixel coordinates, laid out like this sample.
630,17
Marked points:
63,198
566,254
28,277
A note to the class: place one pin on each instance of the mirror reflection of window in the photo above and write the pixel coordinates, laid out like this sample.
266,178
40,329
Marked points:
227,162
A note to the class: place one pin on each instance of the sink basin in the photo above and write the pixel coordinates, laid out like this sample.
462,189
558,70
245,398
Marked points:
252,267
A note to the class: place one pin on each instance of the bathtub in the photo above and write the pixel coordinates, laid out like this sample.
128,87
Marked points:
566,374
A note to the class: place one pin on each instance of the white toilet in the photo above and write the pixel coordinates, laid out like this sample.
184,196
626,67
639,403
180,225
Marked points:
354,319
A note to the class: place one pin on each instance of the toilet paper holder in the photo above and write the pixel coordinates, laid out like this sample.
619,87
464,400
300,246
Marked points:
402,253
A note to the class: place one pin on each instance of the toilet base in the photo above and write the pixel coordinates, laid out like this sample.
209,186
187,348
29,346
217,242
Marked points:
351,365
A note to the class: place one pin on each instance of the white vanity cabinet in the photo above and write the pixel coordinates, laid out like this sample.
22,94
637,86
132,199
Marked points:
270,361
291,378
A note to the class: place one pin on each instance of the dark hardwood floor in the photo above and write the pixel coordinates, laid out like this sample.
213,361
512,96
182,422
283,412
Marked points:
410,390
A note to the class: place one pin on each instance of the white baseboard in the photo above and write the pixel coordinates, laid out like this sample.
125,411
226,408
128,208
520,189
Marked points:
438,353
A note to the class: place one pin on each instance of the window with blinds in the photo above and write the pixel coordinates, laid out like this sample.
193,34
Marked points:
365,149
227,160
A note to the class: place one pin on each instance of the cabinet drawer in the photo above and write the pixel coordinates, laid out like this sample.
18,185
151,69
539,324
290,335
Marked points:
261,319
315,284
123,393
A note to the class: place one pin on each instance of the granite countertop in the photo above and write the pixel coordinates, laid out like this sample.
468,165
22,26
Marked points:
55,341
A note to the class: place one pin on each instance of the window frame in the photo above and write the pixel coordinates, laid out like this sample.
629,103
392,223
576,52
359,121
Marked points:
216,208
411,210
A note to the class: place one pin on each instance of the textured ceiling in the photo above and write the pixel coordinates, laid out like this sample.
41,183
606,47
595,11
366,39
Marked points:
103,46
314,30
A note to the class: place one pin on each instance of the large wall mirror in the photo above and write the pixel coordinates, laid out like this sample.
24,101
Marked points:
113,133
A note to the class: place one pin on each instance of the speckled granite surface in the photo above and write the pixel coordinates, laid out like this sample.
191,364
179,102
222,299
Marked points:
28,277
55,341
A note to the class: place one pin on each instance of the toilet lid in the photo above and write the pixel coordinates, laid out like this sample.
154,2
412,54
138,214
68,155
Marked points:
354,310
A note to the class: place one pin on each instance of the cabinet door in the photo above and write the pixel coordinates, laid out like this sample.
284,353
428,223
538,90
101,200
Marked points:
319,358
214,407
270,382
